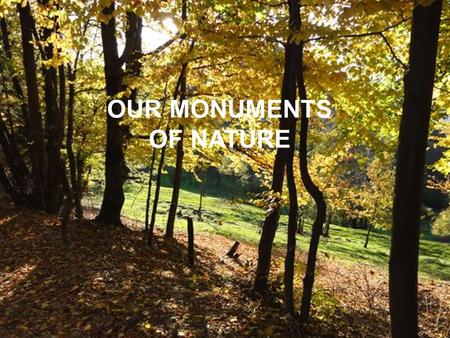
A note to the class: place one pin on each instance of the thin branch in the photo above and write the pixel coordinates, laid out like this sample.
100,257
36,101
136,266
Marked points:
359,35
262,37
393,52
276,4
218,64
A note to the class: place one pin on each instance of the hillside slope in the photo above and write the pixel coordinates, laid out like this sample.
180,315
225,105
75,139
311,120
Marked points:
109,283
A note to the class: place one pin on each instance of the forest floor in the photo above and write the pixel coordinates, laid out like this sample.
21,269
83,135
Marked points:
108,283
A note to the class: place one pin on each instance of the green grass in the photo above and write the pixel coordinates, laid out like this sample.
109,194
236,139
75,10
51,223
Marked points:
240,221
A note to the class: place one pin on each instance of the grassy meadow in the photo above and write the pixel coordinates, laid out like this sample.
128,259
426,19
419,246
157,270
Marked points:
225,212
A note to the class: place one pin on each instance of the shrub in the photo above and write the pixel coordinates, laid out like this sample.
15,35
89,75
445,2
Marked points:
441,224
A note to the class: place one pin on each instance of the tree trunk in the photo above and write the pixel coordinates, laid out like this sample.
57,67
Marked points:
271,222
37,147
68,205
418,91
75,183
316,194
115,167
289,262
301,225
190,231
150,174
9,186
15,79
369,229
161,162
292,63
156,198
20,176
180,151
149,190
326,230
133,66
176,182
54,119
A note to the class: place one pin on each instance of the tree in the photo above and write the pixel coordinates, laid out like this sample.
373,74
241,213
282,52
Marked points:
55,107
270,224
180,151
42,134
418,91
116,170
162,159
316,194
289,92
36,133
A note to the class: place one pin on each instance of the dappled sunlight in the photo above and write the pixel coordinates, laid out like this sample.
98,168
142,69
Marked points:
7,219
11,279
115,283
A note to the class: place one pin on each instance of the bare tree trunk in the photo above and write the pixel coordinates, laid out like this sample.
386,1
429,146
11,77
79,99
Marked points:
289,262
418,92
326,230
150,174
37,147
15,79
369,229
19,177
133,66
54,118
301,225
161,163
9,186
190,231
75,183
292,64
149,190
67,207
316,194
115,167
177,177
271,221
156,197
180,151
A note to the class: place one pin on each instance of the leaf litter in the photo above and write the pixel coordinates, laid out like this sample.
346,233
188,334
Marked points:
108,283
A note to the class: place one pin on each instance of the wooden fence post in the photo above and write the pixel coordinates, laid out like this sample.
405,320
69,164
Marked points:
190,230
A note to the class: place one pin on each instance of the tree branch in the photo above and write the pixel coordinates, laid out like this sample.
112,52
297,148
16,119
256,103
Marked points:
359,35
404,66
132,37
